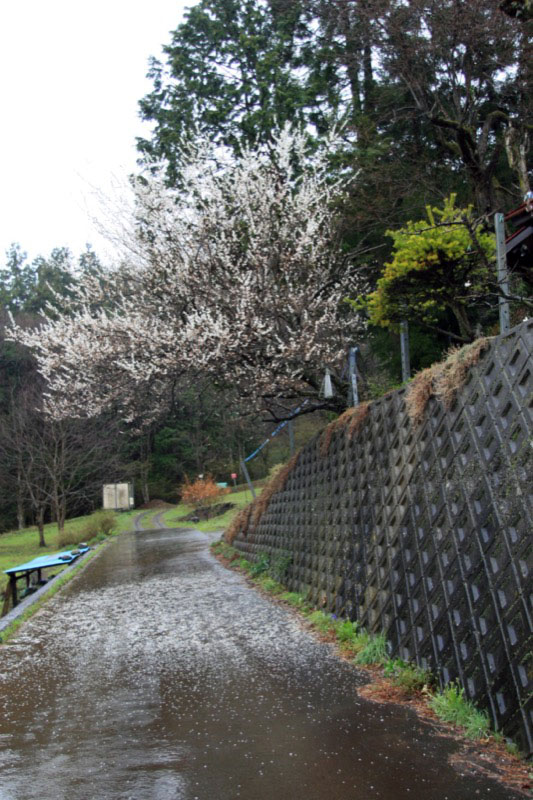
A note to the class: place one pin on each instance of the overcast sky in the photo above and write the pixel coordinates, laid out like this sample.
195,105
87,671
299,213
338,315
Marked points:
71,76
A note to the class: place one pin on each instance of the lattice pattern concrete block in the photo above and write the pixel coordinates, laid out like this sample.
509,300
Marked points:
425,532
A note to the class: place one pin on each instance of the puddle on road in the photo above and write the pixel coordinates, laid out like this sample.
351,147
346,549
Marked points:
159,675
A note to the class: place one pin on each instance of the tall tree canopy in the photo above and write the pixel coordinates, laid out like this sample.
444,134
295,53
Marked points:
435,94
234,70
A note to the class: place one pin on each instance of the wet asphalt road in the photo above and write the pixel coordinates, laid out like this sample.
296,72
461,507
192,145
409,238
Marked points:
159,675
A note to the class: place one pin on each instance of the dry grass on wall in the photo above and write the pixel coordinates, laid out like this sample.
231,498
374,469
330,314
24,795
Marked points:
351,421
443,380
239,524
251,515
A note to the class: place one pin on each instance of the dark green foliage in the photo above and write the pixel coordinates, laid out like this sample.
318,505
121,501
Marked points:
230,71
31,287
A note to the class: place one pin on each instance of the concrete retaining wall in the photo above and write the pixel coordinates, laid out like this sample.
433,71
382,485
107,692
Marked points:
424,532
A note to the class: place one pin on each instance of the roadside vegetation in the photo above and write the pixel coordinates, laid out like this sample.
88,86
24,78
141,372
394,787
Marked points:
173,517
393,678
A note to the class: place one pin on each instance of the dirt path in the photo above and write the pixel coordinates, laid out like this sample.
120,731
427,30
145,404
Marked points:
160,674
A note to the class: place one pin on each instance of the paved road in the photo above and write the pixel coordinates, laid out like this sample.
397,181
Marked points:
160,675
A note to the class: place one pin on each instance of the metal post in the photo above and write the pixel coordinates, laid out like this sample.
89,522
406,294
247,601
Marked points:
353,394
291,437
404,344
503,275
248,481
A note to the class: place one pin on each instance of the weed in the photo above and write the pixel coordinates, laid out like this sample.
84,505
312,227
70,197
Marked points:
279,567
276,484
409,677
322,621
347,631
269,585
512,748
374,651
242,563
351,420
250,516
450,705
443,380
261,565
294,599
91,529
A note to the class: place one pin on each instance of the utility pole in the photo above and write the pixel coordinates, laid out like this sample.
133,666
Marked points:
503,275
291,437
353,394
404,344
248,479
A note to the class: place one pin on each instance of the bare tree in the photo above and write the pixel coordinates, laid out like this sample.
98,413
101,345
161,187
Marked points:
60,464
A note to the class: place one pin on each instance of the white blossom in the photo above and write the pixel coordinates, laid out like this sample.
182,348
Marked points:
236,274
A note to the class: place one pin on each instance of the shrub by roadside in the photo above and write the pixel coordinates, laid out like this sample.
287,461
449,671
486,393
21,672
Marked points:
97,527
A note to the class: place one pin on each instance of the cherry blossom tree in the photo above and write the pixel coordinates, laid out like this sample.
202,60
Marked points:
237,274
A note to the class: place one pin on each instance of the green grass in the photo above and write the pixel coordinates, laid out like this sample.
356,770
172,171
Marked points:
409,677
125,520
296,600
322,622
269,585
374,651
450,705
172,516
17,547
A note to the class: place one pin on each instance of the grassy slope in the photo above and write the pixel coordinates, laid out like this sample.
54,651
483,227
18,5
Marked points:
17,547
172,516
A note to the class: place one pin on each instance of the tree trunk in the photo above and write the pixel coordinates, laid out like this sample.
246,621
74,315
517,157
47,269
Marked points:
144,484
61,515
21,515
144,467
465,327
59,511
516,147
21,512
40,526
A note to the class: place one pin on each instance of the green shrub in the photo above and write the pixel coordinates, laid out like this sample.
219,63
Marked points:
71,536
106,521
450,705
374,651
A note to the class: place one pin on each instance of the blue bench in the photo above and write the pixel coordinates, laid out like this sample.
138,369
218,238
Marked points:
37,565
